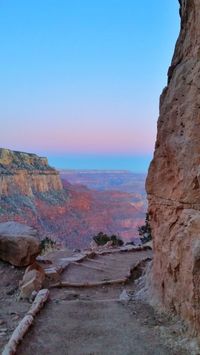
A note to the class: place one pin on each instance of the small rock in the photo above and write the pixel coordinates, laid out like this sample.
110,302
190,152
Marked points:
124,296
32,280
51,274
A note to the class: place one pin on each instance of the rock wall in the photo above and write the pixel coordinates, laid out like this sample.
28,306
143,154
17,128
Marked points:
173,183
26,174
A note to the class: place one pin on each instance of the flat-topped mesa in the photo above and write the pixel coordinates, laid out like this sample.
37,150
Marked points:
26,174
10,159
173,183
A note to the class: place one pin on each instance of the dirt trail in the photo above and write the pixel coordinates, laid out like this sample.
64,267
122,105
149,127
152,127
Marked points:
94,321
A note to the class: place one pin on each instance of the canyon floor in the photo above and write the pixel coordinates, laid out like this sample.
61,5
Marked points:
94,318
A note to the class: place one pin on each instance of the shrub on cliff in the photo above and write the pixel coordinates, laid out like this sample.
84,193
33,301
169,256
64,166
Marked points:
47,245
102,238
145,231
116,241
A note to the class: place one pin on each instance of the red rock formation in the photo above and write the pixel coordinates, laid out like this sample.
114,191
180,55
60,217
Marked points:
173,182
31,192
26,174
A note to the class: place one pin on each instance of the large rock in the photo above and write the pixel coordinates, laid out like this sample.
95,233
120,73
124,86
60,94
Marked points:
173,183
18,243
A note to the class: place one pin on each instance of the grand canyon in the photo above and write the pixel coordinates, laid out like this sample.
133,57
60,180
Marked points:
70,210
85,297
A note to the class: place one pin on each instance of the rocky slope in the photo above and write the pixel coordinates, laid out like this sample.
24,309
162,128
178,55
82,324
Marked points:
173,182
91,211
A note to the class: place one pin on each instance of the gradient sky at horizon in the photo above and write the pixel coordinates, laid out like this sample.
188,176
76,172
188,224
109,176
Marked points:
80,80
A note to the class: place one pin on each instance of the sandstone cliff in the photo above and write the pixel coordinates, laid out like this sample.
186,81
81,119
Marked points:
173,183
26,174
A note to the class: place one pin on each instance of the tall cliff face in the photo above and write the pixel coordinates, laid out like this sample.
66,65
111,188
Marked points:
31,192
173,183
26,174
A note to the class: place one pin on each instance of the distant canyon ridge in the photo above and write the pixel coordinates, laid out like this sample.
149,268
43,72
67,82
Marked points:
70,206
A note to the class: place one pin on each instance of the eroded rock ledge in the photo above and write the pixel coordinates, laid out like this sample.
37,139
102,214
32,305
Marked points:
173,183
26,174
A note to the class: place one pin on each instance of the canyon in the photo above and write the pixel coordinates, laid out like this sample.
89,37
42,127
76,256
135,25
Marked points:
98,299
36,194
173,182
107,180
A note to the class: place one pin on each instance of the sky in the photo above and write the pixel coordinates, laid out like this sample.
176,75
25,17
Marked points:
80,79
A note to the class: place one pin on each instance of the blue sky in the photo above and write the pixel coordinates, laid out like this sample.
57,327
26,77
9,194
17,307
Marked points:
80,79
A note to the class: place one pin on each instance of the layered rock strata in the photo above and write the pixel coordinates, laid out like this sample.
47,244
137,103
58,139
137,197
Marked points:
26,174
32,193
173,183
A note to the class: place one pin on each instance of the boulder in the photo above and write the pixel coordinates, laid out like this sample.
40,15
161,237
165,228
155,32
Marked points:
18,243
33,279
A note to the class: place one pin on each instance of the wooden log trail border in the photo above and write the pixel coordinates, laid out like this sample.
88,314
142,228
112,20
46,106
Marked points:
26,322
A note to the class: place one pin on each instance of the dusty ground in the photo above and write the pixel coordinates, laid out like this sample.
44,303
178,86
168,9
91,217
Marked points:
11,311
89,320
